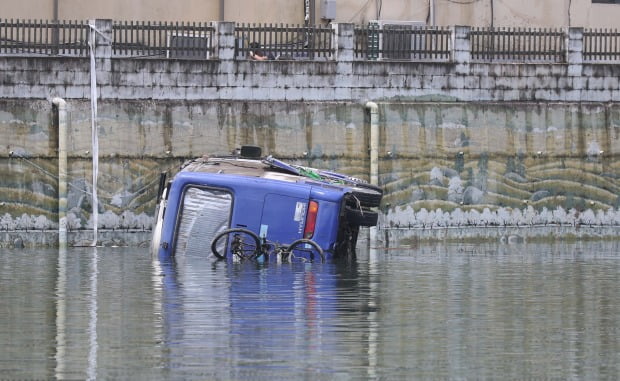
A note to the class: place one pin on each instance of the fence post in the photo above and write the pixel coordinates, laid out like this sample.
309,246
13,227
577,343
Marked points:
344,41
224,40
343,55
574,54
461,49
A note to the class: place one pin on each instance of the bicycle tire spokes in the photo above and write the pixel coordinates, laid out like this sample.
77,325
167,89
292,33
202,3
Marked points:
240,248
241,244
305,250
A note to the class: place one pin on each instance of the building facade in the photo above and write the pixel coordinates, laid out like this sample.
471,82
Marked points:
498,13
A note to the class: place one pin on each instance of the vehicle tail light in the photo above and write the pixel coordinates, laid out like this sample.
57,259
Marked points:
313,209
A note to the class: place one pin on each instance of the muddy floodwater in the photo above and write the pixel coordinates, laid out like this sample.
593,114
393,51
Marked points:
487,311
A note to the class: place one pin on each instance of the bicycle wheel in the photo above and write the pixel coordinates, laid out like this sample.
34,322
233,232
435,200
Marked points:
306,249
241,243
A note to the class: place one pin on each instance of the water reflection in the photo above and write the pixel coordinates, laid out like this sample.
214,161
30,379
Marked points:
64,325
463,311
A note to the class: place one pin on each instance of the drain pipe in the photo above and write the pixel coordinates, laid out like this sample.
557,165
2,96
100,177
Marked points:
374,157
374,142
62,171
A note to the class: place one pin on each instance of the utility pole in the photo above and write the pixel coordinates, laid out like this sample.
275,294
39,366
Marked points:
309,12
55,31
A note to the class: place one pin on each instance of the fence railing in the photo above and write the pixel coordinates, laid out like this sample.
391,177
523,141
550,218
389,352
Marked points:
161,39
384,41
518,44
39,37
402,42
284,41
601,45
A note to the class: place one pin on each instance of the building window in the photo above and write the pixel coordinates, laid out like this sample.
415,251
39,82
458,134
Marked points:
606,1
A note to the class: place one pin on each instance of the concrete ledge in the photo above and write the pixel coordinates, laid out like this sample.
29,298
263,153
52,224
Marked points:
509,235
49,238
387,237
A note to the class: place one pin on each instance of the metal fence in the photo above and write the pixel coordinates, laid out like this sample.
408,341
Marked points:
518,44
399,41
402,42
169,40
285,41
41,37
601,45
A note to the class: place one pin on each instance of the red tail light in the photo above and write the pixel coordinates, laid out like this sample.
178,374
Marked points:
313,209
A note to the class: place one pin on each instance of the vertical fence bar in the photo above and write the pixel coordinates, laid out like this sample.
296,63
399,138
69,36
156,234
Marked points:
487,40
45,39
75,43
149,48
28,37
16,40
429,36
434,43
546,52
12,36
616,51
592,45
67,40
62,37
554,51
73,39
528,43
162,33
38,37
475,43
69,27
598,36
540,54
597,44
124,37
606,42
289,38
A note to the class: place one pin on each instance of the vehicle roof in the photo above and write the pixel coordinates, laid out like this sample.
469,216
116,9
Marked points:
232,165
241,167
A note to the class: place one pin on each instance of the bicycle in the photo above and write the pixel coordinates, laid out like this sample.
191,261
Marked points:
244,244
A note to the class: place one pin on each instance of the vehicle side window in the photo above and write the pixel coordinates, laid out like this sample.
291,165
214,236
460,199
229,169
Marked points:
204,213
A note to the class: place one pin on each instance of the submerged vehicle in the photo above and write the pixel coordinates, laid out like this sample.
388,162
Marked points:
244,206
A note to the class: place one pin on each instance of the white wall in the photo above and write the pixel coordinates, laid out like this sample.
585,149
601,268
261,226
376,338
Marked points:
523,13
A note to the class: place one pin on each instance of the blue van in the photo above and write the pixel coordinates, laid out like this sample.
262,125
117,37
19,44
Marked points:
244,206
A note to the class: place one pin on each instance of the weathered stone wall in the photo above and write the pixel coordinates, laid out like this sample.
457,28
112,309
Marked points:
343,79
443,165
462,144
274,81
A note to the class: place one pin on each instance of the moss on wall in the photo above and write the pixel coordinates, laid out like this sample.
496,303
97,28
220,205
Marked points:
540,159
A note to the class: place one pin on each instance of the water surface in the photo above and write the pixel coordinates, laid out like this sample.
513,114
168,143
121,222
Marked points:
459,311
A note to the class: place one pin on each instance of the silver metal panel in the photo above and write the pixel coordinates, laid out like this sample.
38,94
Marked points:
205,212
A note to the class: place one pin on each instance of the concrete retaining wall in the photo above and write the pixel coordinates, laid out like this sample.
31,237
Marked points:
344,78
